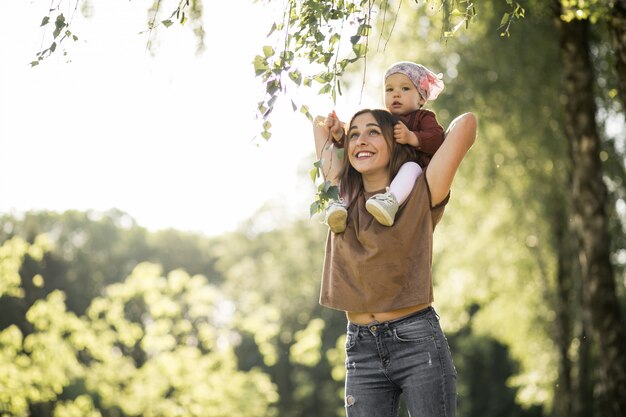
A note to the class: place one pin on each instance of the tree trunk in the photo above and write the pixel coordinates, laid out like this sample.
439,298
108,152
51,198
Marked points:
617,29
589,199
563,396
584,405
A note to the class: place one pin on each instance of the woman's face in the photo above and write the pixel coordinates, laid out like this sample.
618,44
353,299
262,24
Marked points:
368,150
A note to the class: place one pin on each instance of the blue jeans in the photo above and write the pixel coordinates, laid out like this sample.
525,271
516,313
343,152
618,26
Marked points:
408,356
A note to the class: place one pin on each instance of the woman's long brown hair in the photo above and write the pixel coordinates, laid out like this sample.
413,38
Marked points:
350,179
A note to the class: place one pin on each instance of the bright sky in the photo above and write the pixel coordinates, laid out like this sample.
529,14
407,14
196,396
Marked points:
167,139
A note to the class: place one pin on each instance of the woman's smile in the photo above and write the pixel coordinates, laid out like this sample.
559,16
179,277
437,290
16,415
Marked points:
363,154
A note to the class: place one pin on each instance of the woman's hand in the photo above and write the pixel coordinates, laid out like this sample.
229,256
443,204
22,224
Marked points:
336,127
322,135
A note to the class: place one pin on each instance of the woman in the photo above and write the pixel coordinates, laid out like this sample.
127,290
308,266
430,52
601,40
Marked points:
381,276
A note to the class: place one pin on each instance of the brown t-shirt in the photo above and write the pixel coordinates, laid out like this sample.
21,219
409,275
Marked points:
374,268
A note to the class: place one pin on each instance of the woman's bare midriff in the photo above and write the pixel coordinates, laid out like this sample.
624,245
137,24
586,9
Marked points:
366,318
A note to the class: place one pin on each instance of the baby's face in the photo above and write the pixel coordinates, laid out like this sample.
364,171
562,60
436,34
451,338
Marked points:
401,96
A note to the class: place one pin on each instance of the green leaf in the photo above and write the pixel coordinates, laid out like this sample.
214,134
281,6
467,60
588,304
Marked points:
325,89
296,77
333,192
314,173
59,24
45,21
260,65
167,23
273,28
266,135
359,49
305,110
341,152
504,20
363,30
34,63
272,87
268,51
315,208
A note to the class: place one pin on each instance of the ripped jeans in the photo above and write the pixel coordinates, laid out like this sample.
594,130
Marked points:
408,356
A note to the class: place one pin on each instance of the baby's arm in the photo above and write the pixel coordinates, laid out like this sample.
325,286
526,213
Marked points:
429,133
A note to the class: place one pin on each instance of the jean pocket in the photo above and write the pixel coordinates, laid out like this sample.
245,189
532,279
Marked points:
350,340
418,331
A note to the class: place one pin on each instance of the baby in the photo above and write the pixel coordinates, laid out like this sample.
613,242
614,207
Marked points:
408,86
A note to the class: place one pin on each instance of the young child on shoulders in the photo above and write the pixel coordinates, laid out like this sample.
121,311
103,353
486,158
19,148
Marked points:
408,86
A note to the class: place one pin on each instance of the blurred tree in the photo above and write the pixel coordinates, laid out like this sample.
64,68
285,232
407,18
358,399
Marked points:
590,200
273,279
264,314
93,249
151,345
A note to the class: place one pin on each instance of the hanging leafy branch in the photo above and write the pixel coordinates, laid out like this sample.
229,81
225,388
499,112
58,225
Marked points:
177,11
517,12
306,50
185,11
326,192
61,31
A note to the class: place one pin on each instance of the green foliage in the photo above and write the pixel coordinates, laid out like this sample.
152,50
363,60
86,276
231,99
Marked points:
593,10
272,277
60,33
151,345
307,349
12,254
486,369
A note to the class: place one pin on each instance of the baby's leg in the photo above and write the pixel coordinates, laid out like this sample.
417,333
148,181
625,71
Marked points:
404,181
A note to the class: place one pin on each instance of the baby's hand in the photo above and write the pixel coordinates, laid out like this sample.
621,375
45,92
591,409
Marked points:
335,126
403,135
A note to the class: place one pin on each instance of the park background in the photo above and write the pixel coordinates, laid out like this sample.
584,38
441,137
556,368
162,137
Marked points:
157,256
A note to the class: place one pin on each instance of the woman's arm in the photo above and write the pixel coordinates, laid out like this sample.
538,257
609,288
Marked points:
331,165
443,166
